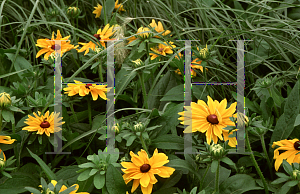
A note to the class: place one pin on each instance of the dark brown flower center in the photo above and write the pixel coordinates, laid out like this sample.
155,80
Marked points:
88,86
213,119
160,49
45,124
297,145
55,47
97,36
145,168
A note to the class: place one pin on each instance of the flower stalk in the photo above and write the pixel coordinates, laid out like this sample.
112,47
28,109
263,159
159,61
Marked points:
266,153
256,165
141,78
217,178
143,143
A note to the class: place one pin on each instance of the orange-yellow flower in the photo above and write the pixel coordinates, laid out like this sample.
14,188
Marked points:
6,139
43,123
49,46
142,170
119,5
141,33
291,155
210,118
86,47
159,28
63,187
84,89
103,35
162,50
97,10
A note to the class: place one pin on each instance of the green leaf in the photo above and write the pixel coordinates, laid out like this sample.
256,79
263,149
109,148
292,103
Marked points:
94,171
87,165
214,166
238,183
175,94
114,181
166,190
6,174
286,121
68,174
98,121
45,168
142,47
172,180
287,167
8,116
99,181
155,40
280,180
168,121
33,190
20,63
114,157
130,140
229,162
209,181
182,164
84,175
168,141
297,121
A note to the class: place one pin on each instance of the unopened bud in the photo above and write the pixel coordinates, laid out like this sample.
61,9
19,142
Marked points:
5,100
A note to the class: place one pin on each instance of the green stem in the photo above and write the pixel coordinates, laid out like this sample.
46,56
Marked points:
202,180
0,121
143,143
217,178
100,72
73,59
89,111
13,125
47,105
147,49
256,165
266,153
141,78
73,112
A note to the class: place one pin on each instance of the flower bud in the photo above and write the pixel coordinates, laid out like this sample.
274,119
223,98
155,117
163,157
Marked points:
49,191
2,163
217,151
5,100
73,12
296,173
141,30
204,53
139,127
138,63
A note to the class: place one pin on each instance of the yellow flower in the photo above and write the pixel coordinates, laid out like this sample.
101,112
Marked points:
119,5
6,139
104,34
2,159
208,118
49,46
162,50
291,155
4,99
159,28
84,89
43,123
203,52
142,170
97,10
86,47
141,33
63,187
232,140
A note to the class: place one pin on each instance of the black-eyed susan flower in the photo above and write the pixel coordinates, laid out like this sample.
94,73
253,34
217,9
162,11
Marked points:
49,46
97,10
162,49
47,123
86,47
142,33
210,118
6,139
142,170
159,28
105,34
84,89
291,155
63,187
117,6
4,100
